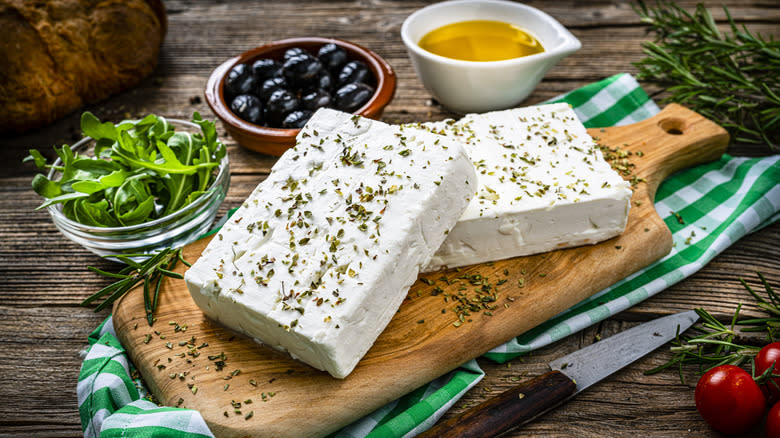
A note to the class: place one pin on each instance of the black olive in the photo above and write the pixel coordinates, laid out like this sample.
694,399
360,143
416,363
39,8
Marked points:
281,103
354,71
269,86
316,99
266,68
296,119
332,56
247,107
324,81
352,96
301,68
294,51
240,80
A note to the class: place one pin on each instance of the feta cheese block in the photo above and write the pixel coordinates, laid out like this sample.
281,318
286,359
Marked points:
543,185
320,256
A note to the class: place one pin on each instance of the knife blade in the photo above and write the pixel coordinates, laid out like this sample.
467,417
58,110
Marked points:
570,375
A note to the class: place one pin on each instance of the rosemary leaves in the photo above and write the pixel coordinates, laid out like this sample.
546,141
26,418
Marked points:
729,77
150,272
714,343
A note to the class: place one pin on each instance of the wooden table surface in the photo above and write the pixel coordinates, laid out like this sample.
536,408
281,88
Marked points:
44,277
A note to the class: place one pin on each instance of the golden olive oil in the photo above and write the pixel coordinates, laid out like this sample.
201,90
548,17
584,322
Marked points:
480,40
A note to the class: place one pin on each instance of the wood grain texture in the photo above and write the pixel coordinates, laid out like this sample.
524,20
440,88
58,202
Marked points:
421,342
43,275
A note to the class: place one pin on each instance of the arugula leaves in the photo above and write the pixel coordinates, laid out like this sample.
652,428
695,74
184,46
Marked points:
141,171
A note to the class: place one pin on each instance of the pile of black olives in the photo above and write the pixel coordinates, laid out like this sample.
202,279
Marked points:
285,94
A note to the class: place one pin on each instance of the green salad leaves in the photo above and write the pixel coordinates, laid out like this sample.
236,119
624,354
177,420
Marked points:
141,171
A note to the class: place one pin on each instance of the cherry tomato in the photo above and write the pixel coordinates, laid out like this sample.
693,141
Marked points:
773,422
729,399
769,355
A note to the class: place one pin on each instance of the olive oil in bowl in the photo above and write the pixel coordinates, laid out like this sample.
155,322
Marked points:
480,40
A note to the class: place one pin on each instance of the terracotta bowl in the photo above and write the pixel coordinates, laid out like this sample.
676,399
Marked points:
274,141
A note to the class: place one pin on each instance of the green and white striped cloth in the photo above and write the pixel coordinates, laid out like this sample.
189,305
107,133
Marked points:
720,202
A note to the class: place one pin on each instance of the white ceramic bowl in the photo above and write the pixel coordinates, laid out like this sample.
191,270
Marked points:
469,86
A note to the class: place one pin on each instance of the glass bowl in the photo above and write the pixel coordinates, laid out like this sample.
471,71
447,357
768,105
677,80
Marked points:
174,230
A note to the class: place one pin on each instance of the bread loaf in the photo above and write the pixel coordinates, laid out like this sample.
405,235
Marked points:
58,55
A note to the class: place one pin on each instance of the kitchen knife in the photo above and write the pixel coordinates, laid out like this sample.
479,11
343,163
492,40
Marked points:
570,375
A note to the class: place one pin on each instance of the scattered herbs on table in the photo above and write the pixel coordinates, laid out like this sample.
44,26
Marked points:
713,343
729,77
141,171
151,272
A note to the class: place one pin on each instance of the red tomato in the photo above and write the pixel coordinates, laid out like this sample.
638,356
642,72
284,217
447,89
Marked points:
773,422
769,355
729,399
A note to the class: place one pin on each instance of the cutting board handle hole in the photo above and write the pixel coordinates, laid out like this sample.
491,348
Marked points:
672,126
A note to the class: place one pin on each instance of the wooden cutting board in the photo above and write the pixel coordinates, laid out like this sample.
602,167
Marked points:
192,367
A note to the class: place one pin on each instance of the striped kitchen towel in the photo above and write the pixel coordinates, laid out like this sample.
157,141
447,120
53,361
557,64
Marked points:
719,202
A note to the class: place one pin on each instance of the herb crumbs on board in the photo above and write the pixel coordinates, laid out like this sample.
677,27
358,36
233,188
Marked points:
619,160
480,297
217,362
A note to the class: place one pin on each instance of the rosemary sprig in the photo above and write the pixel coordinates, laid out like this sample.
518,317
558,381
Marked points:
730,78
771,323
712,343
150,271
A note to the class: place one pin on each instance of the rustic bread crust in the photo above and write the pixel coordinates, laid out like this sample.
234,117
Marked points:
62,54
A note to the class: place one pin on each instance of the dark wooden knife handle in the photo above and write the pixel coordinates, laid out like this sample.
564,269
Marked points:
510,409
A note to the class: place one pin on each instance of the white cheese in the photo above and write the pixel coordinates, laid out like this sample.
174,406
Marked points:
320,256
543,185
